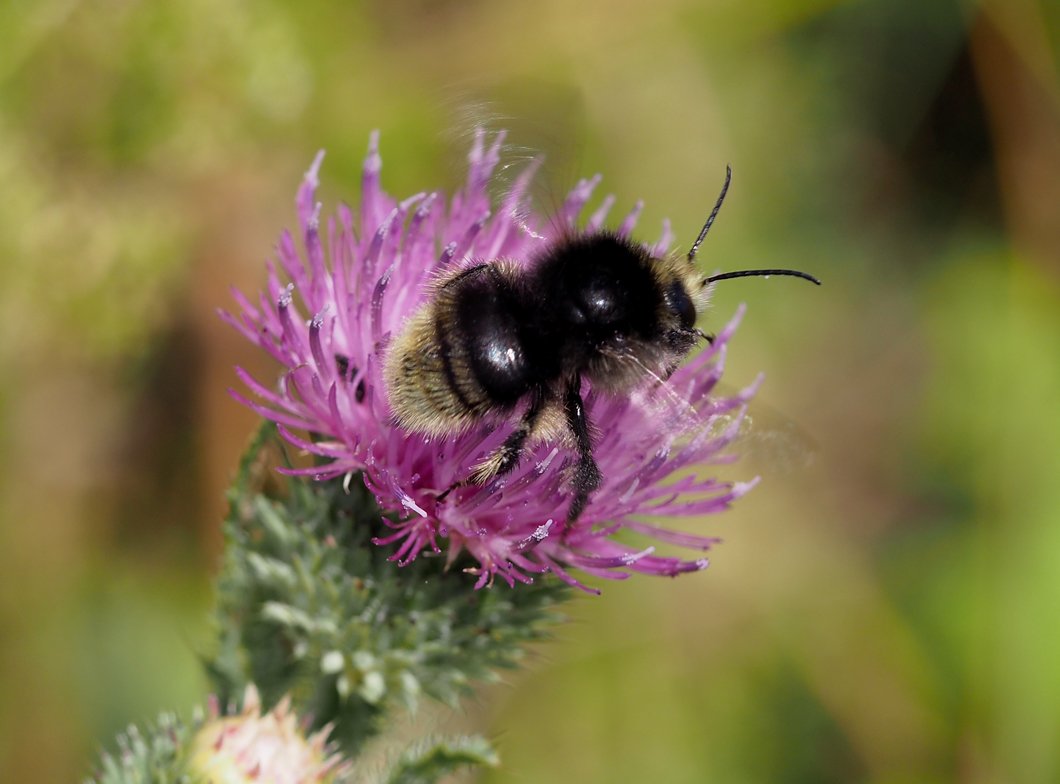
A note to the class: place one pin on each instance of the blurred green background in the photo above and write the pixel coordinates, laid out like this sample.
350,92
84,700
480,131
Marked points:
887,612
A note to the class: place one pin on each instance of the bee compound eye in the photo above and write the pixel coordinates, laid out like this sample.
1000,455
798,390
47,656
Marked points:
681,304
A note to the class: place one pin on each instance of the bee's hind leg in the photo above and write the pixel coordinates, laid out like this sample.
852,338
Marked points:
507,456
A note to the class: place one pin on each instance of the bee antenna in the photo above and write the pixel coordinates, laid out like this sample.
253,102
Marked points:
760,272
713,215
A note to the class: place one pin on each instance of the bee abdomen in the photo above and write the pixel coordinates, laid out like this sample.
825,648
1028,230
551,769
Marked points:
486,335
464,355
420,385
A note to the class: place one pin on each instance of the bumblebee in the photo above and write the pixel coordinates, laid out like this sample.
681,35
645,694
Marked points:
512,341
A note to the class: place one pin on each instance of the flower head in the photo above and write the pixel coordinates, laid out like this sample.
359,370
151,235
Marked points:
255,746
328,315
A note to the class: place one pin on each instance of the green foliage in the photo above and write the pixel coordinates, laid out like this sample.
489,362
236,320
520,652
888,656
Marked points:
308,606
433,758
156,755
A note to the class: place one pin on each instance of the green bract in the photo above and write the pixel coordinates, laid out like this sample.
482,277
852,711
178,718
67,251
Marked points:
308,606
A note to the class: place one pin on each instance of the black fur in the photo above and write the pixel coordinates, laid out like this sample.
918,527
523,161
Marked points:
592,307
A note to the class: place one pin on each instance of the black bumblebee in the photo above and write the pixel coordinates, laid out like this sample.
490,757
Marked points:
508,340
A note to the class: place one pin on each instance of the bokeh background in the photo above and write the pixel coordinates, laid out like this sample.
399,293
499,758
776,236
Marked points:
886,607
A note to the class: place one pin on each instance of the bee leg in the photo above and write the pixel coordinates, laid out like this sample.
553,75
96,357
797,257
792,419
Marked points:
505,457
440,498
705,336
587,475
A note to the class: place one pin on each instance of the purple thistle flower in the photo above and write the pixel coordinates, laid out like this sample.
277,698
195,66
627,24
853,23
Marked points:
329,327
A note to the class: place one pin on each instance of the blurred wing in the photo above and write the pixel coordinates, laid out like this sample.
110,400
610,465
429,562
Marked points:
773,441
